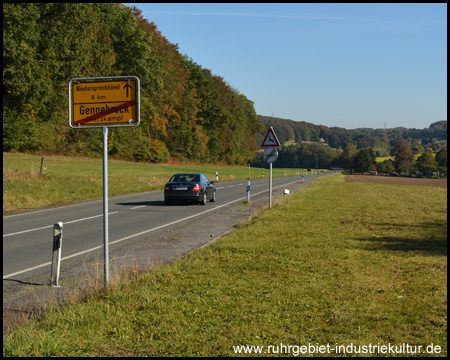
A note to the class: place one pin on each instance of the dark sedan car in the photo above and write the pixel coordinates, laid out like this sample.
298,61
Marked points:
189,187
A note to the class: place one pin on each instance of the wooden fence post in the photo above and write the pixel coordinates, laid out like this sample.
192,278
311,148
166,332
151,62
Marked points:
42,165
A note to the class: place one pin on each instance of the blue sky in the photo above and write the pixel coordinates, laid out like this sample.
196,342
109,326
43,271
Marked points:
346,65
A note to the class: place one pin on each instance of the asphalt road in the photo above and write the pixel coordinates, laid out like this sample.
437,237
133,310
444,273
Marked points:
28,237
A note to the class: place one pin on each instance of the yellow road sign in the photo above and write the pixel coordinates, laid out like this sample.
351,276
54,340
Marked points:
108,101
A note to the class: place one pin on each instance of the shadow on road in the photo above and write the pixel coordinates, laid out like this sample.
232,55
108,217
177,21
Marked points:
142,203
24,282
156,203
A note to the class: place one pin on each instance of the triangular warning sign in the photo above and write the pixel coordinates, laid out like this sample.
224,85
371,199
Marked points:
270,139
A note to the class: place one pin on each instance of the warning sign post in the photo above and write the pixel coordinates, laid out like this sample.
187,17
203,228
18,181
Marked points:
270,156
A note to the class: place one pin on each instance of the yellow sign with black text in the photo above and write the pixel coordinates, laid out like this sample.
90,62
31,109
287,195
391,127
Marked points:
99,102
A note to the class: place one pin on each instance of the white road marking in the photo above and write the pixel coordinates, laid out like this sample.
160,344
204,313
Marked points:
50,226
71,205
131,236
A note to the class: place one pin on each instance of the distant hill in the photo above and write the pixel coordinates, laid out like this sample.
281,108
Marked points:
380,140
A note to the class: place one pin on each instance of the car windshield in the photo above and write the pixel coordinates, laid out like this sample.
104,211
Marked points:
185,178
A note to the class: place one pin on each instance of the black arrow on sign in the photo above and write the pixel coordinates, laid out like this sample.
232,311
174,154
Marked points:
127,86
270,154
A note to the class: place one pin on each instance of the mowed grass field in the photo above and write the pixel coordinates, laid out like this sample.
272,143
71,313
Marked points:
337,263
68,179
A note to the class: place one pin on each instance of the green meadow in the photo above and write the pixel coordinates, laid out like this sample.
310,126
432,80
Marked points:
68,179
336,263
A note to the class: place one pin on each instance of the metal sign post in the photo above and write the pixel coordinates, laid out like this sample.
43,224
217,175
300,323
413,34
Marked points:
270,186
270,156
102,103
105,204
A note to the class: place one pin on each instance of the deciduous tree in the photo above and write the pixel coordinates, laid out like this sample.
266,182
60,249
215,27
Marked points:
426,164
403,156
347,158
363,161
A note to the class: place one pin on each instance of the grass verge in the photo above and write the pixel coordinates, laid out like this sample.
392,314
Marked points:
337,263
68,179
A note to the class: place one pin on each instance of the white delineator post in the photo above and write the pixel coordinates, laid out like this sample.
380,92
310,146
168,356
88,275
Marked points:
56,253
248,191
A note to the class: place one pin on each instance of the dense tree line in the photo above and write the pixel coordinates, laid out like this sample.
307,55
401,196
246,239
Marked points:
357,152
186,111
381,141
404,162
309,155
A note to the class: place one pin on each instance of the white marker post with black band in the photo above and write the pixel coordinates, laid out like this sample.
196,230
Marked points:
56,253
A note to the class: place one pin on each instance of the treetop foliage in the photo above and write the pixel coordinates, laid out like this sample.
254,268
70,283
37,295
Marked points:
186,111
